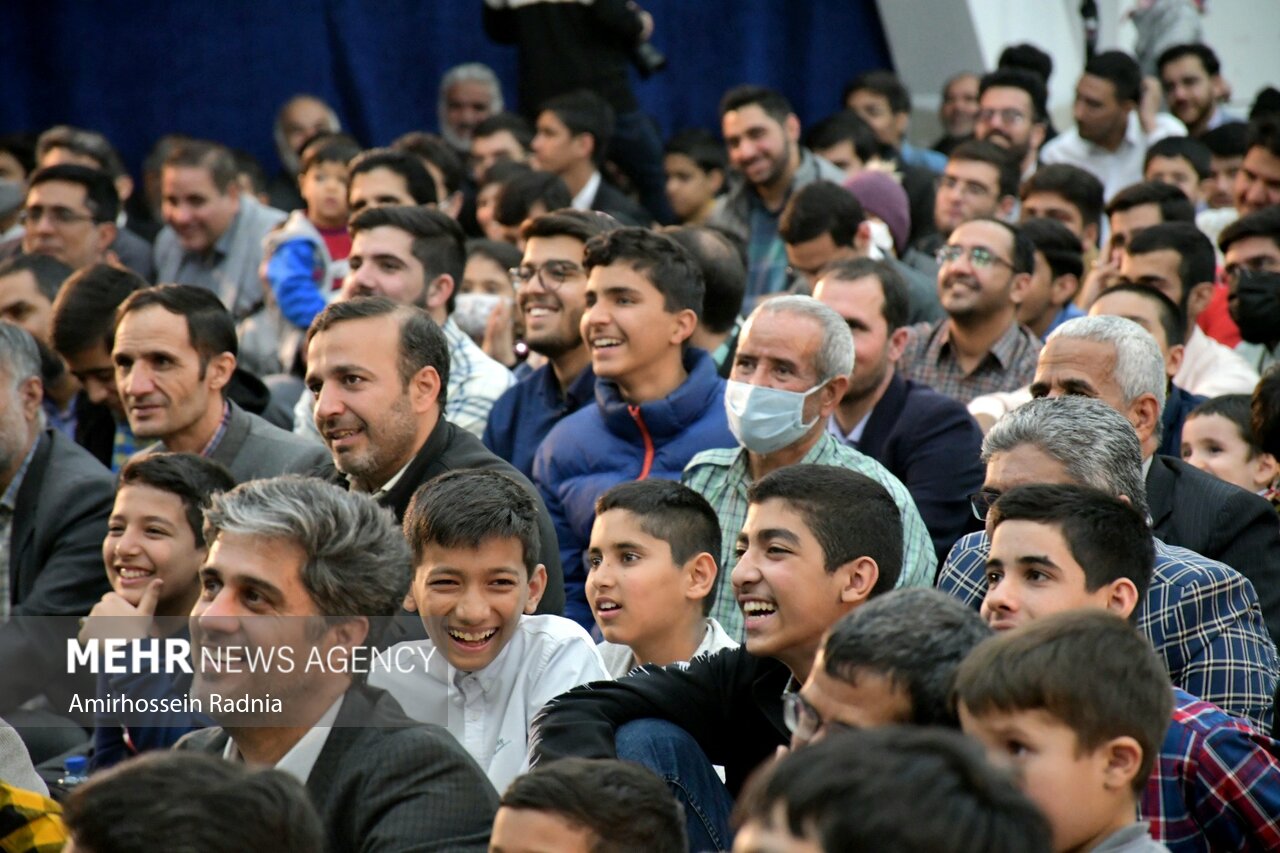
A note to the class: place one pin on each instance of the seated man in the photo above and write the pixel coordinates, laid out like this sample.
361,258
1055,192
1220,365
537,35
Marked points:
1048,302
818,542
926,439
488,665
302,568
1111,359
1251,261
1202,617
182,801
1066,194
578,804
174,354
789,373
70,214
890,661
651,576
1216,781
924,783
658,401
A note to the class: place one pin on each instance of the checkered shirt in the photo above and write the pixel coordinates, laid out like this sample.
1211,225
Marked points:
1216,783
475,383
1201,616
1009,365
722,477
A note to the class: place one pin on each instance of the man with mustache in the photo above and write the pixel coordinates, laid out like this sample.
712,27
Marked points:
551,286
1011,114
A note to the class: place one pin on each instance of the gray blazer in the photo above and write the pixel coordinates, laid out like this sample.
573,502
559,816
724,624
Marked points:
387,784
253,449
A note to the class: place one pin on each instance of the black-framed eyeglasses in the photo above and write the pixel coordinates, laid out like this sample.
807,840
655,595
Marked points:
1008,115
982,501
552,274
980,256
803,720
57,215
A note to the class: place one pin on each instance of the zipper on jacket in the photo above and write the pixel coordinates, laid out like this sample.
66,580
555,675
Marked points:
634,411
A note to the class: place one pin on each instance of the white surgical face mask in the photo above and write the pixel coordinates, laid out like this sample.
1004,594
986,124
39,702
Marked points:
881,239
766,419
471,312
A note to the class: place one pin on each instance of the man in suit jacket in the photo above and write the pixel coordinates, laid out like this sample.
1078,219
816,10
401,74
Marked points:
1119,362
927,440
327,569
54,503
175,354
379,373
573,134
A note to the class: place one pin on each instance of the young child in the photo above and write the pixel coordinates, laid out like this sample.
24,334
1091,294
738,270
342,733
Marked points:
485,303
651,575
1217,438
695,166
153,553
487,666
1068,548
1077,704
307,256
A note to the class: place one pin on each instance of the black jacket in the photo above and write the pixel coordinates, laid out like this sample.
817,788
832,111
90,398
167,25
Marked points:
729,702
1219,521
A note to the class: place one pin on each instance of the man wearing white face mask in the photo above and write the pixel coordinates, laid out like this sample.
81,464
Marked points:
790,372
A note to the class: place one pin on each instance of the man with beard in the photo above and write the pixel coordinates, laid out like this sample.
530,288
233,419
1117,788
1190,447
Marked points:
469,94
1011,114
980,179
958,110
1251,251
551,284
925,439
762,136
1193,86
979,347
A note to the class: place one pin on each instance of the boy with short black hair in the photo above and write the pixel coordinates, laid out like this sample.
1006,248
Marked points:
488,665
581,805
1217,438
695,164
651,575
658,401
1077,704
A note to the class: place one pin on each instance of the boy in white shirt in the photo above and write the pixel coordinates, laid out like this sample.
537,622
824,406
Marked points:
651,575
488,665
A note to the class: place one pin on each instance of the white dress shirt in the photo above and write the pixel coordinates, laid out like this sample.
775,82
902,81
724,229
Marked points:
489,710
299,761
620,660
1210,369
1116,169
587,195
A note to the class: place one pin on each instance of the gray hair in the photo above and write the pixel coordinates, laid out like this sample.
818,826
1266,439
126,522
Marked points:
289,157
835,355
19,355
358,563
1139,364
467,72
1095,444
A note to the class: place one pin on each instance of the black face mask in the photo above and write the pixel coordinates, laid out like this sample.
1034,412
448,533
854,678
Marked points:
1258,306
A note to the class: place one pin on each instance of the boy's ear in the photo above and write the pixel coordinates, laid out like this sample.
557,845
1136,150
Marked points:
857,578
685,322
700,576
1122,597
1265,469
1123,760
537,586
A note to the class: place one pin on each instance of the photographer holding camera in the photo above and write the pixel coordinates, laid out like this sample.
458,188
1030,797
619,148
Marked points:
566,46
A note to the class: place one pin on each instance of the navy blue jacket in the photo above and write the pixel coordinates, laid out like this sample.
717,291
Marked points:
1177,406
526,412
932,444
599,446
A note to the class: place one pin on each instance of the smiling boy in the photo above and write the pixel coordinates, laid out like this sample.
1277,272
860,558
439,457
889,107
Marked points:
487,665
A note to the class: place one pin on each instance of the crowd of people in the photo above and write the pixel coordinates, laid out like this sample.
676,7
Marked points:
533,485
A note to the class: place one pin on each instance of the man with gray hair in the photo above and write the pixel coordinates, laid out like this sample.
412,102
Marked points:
54,502
300,118
1201,616
790,372
469,94
299,571
1117,361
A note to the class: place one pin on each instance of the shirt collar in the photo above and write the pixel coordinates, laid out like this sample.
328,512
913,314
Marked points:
854,435
220,432
1003,349
301,758
587,195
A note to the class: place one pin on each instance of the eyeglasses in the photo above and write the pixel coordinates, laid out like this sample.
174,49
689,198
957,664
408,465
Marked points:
56,215
980,256
969,188
1006,116
982,502
552,274
803,720
1262,263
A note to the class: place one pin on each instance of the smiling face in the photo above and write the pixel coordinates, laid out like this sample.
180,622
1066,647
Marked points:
968,290
149,537
760,147
383,264
787,596
1189,90
1258,181
959,107
632,336
198,212
471,599
553,301
1008,119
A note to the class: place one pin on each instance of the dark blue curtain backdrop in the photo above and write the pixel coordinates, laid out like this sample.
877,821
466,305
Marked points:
220,69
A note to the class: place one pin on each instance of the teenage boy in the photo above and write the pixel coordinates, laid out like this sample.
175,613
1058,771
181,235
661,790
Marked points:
153,552
1217,780
488,665
578,805
651,575
1045,701
658,401
818,542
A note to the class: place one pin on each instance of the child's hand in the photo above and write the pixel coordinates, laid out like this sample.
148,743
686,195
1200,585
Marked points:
114,618
499,334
